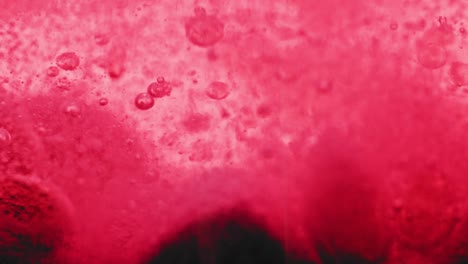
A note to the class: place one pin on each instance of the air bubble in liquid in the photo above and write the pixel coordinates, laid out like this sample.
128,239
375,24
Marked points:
432,56
5,137
103,101
203,30
144,101
217,90
68,61
160,88
393,26
53,71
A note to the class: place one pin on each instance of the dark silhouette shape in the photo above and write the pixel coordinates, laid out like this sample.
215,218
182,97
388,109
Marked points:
231,238
328,256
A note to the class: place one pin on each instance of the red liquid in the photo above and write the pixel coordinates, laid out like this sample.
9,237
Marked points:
282,131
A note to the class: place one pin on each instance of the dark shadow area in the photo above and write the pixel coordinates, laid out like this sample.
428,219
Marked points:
18,248
33,225
235,237
328,256
461,260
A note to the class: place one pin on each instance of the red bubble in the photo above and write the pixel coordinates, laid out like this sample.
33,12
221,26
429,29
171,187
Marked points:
144,101
160,88
68,61
339,123
217,90
103,101
53,71
203,30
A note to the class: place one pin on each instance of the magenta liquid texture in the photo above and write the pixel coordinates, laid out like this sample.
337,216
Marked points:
233,132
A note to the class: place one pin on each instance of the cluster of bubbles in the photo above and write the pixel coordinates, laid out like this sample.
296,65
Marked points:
158,89
67,61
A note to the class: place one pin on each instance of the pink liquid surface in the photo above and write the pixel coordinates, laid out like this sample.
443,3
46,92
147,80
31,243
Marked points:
335,130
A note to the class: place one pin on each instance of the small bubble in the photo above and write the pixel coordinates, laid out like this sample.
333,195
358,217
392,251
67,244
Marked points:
393,26
160,79
432,56
5,137
144,101
73,110
217,90
160,88
52,71
204,31
103,101
68,61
